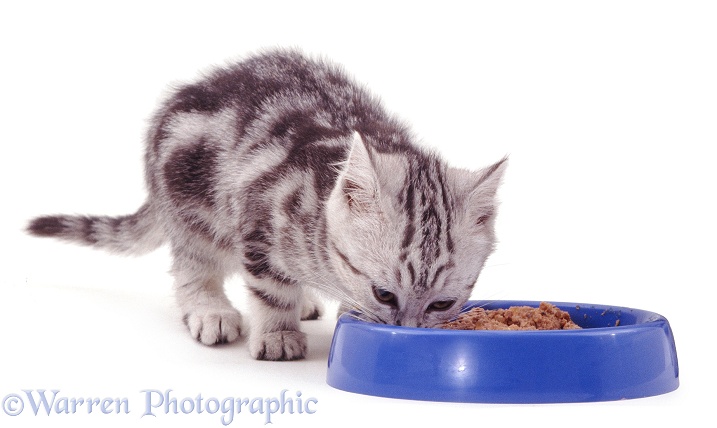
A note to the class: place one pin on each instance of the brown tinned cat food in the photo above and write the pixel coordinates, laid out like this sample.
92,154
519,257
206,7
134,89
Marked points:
544,317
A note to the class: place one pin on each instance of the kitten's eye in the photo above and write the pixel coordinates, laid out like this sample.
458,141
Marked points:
441,305
385,297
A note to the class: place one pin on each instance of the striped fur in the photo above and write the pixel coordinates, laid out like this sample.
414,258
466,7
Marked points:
282,169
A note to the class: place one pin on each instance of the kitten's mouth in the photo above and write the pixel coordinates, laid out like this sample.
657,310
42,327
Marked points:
404,324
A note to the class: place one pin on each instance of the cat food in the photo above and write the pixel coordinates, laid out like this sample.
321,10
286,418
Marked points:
544,317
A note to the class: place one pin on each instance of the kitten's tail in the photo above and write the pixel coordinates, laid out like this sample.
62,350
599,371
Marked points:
133,234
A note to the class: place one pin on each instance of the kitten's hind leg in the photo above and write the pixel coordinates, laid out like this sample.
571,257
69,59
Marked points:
276,311
206,310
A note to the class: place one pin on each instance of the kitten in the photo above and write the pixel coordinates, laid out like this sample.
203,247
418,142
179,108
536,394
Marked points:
284,170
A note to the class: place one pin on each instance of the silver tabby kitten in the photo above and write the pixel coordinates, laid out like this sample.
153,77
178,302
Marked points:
284,170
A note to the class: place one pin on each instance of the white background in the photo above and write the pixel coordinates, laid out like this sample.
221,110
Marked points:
607,110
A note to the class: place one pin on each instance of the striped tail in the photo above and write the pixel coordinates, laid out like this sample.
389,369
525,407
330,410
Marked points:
134,234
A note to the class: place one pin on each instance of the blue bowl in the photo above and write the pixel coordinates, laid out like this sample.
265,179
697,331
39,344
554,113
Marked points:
636,358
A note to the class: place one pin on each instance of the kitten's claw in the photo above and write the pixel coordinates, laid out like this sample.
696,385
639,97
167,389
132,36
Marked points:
279,346
214,326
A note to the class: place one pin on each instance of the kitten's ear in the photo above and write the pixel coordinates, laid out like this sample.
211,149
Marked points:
358,182
480,191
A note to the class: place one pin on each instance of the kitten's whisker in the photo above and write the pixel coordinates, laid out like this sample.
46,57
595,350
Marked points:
340,295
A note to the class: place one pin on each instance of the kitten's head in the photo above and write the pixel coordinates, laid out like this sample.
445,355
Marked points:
408,235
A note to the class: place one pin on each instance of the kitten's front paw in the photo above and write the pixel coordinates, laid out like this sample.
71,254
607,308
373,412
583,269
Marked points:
279,346
212,326
311,310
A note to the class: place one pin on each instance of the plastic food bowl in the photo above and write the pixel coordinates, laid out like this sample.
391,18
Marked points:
601,362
